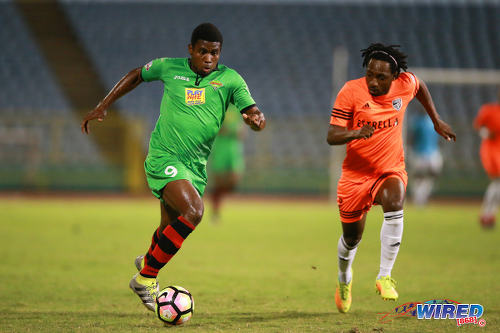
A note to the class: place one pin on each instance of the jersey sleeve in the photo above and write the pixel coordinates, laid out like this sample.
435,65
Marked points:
153,70
412,81
343,109
241,96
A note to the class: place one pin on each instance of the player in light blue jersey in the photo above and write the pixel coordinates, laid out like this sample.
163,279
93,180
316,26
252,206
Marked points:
426,161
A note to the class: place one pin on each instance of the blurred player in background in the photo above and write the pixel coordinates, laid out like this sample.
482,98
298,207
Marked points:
426,160
227,162
197,93
367,116
487,123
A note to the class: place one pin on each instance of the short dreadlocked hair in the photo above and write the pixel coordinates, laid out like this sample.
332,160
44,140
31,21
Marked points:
389,53
208,32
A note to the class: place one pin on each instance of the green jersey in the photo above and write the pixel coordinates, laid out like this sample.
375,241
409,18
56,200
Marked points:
231,128
191,113
227,155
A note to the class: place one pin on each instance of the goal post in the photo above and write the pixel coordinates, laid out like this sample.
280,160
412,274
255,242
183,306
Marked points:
455,76
340,66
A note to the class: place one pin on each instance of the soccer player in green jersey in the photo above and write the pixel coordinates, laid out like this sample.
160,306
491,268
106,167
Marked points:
197,93
226,162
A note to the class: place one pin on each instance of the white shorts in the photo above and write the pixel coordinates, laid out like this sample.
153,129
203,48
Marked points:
426,164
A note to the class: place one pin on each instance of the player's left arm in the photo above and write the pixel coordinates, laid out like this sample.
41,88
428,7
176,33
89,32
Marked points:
424,97
254,118
244,102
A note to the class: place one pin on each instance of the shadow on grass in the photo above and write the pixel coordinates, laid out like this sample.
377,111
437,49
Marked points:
276,319
233,316
26,315
227,316
205,321
46,321
264,316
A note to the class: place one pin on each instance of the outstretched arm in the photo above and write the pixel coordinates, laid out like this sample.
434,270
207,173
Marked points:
126,84
424,97
338,135
254,118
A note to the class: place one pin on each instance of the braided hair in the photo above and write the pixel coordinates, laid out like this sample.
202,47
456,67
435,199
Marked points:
388,53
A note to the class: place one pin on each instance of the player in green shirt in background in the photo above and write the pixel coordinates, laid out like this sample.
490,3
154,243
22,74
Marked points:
197,93
226,161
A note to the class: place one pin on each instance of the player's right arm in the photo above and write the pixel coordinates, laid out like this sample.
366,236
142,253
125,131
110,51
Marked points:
338,135
126,84
341,118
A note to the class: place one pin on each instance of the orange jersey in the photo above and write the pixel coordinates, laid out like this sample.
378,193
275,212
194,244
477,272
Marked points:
355,107
489,117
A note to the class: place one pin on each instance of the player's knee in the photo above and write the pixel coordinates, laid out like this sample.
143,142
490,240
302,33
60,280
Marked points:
393,202
391,195
194,213
393,205
352,240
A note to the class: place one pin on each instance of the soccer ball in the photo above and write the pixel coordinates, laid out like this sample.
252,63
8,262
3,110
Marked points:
174,305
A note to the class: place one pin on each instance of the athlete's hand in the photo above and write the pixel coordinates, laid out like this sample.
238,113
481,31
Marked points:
366,132
98,113
444,130
254,118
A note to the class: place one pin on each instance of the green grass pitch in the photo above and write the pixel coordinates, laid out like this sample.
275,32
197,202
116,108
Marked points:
269,266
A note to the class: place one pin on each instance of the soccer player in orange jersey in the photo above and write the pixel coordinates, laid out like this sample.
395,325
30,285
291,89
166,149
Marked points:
368,116
487,123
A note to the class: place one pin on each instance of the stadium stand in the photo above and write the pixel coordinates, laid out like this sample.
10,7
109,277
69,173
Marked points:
39,135
285,54
24,72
